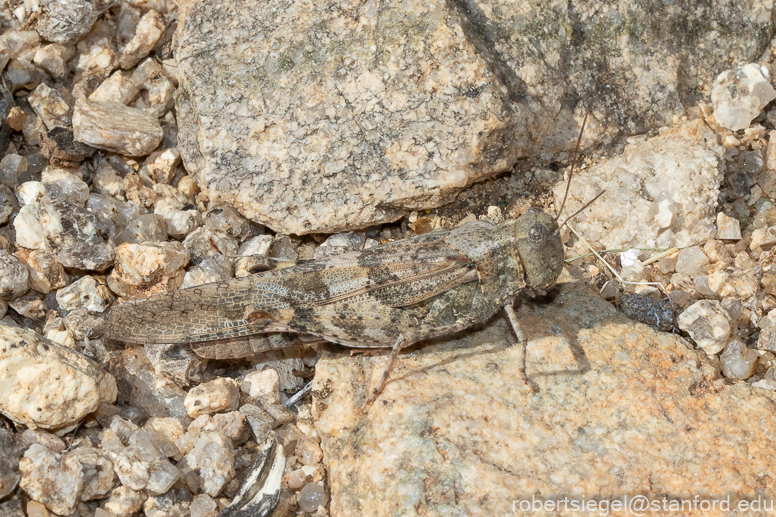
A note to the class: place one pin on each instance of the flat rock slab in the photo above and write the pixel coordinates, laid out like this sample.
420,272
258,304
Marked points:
620,410
323,116
320,116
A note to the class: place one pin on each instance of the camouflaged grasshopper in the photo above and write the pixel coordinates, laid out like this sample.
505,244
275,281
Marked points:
389,296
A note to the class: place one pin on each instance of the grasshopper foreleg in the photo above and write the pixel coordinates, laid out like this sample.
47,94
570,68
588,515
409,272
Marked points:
522,342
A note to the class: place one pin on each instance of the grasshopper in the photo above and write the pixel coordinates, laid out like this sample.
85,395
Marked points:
389,296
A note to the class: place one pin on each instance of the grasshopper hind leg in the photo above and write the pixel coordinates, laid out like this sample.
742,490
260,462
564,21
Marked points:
523,345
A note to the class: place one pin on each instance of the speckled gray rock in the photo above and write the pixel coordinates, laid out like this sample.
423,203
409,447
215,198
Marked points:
708,324
162,475
29,305
233,425
311,496
12,507
145,228
48,385
177,362
114,215
161,165
739,95
46,274
114,127
73,235
208,271
635,65
359,123
8,204
204,243
210,465
738,361
50,441
659,192
65,184
226,219
11,165
156,394
53,479
616,403
367,148
85,293
180,223
9,464
258,419
64,21
98,472
14,277
728,227
263,385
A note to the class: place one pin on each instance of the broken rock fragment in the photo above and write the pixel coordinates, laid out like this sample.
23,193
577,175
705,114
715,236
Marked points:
73,235
59,147
149,29
9,464
152,267
45,384
14,277
114,127
659,192
46,274
51,107
209,465
53,479
708,324
64,21
740,94
211,397
98,472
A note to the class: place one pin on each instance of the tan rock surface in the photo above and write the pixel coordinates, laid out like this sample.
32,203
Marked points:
620,410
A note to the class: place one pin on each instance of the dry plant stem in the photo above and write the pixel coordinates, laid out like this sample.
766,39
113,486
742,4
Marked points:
614,272
660,256
573,163
299,395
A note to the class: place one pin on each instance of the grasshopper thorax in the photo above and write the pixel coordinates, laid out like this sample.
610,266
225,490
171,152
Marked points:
539,246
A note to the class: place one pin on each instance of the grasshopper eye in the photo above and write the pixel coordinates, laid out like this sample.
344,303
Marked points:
540,248
537,234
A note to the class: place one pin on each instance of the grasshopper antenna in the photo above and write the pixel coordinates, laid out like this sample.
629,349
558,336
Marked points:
569,218
573,163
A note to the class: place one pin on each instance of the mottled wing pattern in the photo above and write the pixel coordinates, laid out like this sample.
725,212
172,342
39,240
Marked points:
394,277
204,313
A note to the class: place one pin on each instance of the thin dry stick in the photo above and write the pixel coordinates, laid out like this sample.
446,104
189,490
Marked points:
657,257
573,163
614,272
619,250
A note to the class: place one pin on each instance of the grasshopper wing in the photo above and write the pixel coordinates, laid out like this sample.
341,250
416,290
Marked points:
204,313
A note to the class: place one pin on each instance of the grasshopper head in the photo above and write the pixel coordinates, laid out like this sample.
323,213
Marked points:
539,247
